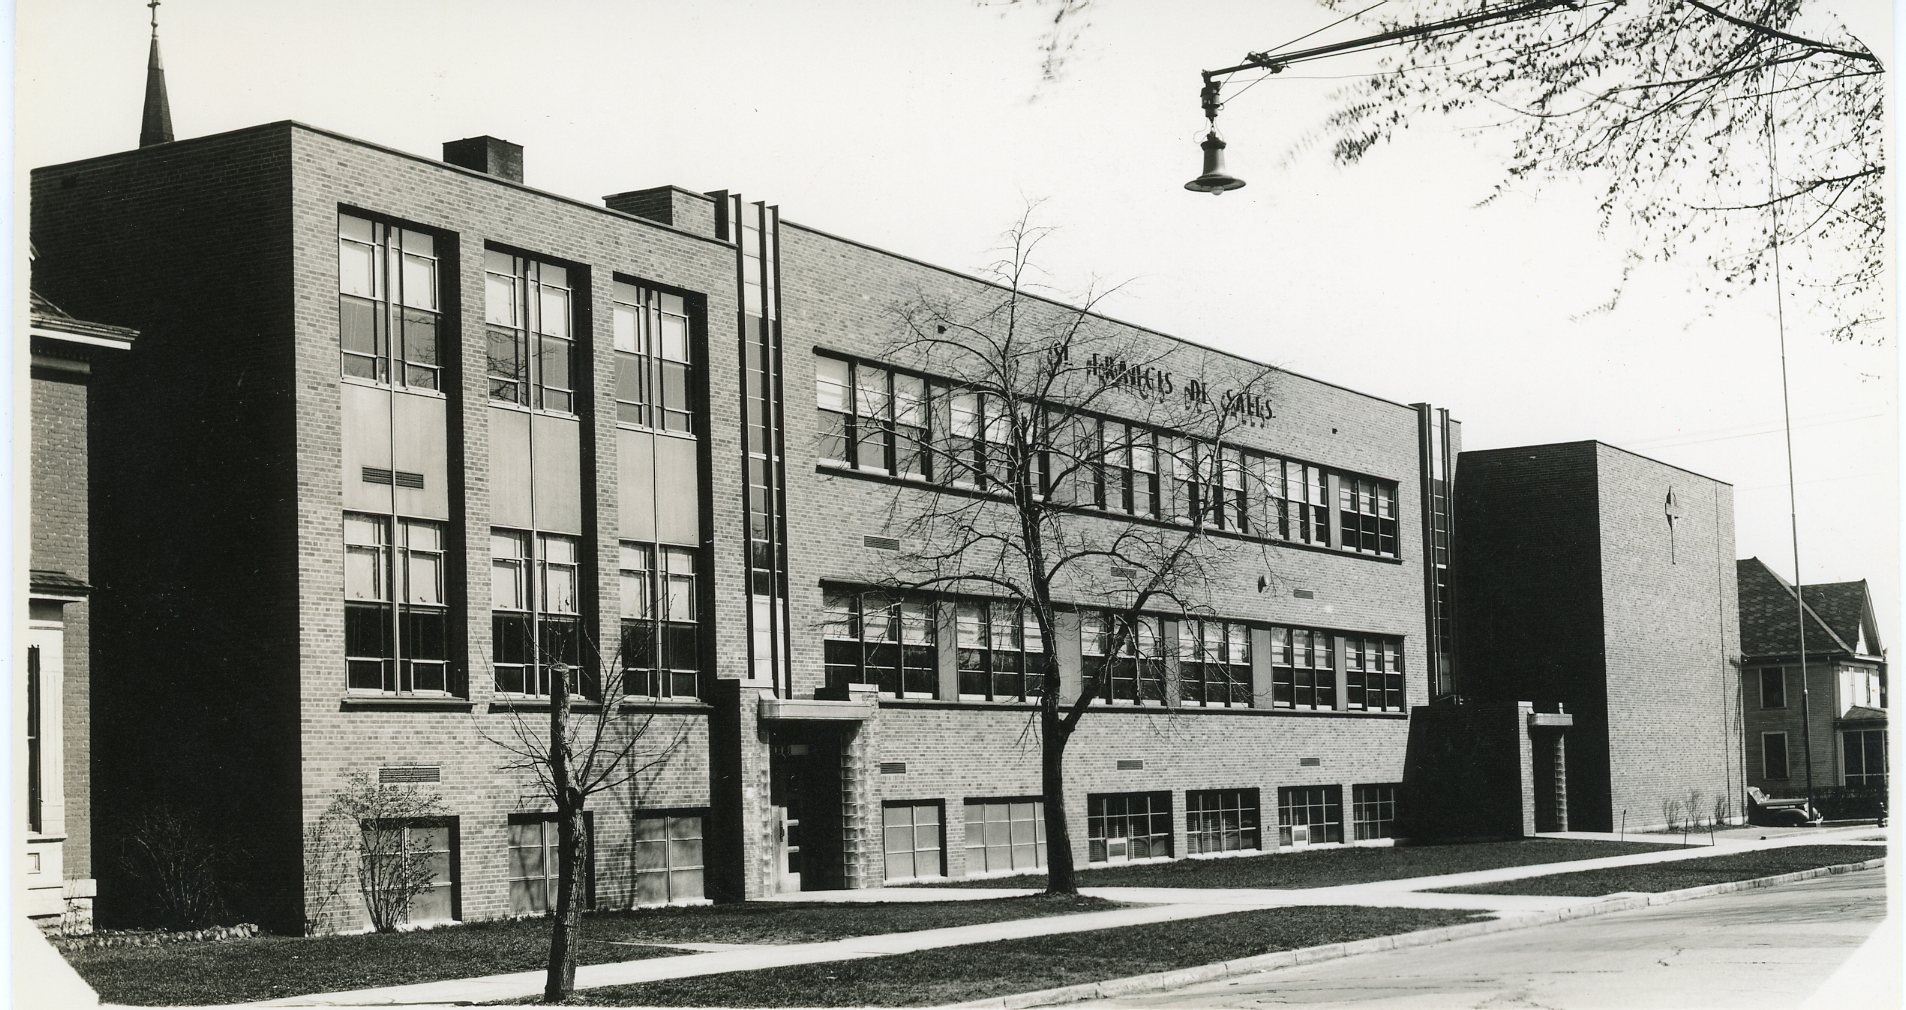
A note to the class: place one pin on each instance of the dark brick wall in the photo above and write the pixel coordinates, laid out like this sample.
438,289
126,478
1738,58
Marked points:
1571,592
193,544
1529,607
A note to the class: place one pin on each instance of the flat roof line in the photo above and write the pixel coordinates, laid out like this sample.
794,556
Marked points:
870,247
1605,445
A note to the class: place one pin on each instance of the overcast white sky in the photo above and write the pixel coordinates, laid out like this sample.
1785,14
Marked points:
923,128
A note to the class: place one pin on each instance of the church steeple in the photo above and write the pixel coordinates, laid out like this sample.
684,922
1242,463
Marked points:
156,127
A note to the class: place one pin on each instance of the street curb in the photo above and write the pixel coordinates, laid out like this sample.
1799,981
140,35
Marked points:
1421,938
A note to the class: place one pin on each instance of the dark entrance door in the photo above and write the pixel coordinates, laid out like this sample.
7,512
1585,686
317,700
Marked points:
804,787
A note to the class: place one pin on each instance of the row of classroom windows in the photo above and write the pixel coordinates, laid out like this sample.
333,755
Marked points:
879,420
391,325
397,638
1005,836
893,641
397,615
391,328
664,861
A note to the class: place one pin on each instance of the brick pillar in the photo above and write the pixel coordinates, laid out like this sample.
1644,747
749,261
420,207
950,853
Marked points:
742,846
863,856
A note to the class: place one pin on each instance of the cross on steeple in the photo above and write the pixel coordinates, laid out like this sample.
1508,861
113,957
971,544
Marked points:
155,126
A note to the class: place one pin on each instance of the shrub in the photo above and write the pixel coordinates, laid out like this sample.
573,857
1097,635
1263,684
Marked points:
177,866
392,868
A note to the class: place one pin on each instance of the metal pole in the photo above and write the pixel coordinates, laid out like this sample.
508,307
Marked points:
1786,408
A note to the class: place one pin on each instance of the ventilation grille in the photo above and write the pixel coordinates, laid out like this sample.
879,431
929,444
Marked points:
1124,573
1303,594
1309,762
401,478
410,773
881,543
1131,764
893,767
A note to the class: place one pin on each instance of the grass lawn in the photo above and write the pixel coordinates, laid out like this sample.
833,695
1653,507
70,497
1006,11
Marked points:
975,971
234,971
1683,873
1330,867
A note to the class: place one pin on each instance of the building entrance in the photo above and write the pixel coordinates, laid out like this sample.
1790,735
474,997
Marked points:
804,790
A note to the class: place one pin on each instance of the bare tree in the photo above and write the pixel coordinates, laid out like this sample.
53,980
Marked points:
1078,471
590,744
1711,125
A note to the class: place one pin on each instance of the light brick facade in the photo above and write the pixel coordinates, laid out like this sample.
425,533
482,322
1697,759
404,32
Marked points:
239,447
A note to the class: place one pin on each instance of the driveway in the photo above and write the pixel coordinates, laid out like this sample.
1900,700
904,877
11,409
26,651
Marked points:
1768,948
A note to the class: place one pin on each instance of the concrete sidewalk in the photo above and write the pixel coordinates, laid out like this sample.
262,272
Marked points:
1151,905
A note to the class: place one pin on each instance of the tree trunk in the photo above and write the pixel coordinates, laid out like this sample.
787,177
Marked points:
566,926
565,932
1061,875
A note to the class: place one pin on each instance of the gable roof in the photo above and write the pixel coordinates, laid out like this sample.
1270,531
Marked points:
1845,607
1769,622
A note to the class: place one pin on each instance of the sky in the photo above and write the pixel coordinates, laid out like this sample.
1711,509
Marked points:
925,128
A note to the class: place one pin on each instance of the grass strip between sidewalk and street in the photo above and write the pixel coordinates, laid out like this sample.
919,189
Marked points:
945,975
1355,864
1673,876
233,971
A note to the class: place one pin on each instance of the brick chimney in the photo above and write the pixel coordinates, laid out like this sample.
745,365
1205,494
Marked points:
489,155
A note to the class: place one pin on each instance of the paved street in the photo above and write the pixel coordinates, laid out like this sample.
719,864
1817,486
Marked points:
1768,948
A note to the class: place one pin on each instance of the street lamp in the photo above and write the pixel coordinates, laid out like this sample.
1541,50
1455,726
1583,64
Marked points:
1215,180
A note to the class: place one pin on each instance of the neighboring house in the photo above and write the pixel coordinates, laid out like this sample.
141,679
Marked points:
1845,687
51,755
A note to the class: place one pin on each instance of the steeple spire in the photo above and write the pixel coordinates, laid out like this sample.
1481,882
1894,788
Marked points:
156,127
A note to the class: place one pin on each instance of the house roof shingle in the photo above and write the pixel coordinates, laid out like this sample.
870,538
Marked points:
1769,625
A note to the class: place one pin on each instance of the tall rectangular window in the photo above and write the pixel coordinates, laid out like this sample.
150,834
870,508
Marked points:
1373,810
654,373
1367,515
1773,687
389,314
1773,755
1001,653
536,613
882,639
873,418
396,613
1130,668
35,795
1005,836
1221,820
535,867
668,858
834,398
912,840
1120,826
1214,666
1303,669
1863,757
661,635
1303,496
1373,674
528,305
434,841
1317,808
